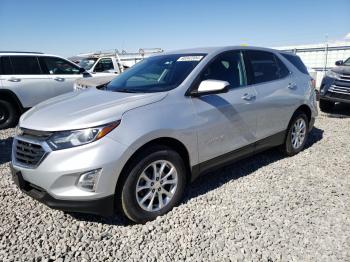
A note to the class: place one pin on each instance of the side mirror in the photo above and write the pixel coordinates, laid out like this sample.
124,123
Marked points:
208,87
339,62
81,70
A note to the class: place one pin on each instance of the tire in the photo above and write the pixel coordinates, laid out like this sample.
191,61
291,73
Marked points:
8,115
326,105
290,147
130,199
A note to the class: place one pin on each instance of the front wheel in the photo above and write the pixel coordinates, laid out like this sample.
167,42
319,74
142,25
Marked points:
154,184
298,131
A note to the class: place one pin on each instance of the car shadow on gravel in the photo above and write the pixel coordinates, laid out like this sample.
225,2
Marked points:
5,150
210,181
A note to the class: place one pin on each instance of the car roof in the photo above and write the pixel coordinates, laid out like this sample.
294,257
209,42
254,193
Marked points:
210,50
14,53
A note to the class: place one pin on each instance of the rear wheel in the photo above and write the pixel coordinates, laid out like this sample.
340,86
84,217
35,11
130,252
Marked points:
298,131
154,184
8,115
326,105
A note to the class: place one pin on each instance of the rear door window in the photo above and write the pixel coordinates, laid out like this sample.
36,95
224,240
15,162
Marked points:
265,67
296,61
283,69
5,66
25,65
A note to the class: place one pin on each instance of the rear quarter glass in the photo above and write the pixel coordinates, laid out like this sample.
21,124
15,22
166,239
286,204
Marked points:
296,61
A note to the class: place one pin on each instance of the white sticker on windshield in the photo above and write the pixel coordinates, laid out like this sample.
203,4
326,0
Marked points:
190,58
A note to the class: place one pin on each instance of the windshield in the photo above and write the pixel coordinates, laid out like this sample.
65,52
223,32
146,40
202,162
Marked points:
87,63
347,62
156,74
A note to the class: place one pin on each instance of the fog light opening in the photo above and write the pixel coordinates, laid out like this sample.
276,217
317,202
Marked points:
88,180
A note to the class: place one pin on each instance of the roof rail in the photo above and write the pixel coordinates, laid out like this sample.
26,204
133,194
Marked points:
26,52
151,50
114,52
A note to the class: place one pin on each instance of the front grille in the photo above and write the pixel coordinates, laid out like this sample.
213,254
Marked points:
28,154
35,134
339,89
345,77
342,83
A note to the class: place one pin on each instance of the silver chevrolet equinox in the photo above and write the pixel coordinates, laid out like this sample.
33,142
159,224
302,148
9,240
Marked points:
135,145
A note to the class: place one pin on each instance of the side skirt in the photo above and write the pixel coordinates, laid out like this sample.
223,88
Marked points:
238,154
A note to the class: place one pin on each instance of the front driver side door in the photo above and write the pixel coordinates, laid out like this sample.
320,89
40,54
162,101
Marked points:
61,74
227,121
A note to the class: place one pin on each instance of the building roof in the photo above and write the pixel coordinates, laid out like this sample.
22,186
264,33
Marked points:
312,46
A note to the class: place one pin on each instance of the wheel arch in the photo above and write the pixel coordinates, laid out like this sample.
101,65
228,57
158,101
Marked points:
306,109
303,108
11,97
170,142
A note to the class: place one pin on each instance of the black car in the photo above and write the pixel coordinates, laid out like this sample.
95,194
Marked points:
335,86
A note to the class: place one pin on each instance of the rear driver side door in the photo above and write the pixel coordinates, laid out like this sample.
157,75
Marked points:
23,75
277,95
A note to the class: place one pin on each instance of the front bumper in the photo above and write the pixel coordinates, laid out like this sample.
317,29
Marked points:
329,97
103,206
54,181
335,90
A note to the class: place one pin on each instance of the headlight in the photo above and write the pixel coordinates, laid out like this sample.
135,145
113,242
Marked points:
67,139
332,74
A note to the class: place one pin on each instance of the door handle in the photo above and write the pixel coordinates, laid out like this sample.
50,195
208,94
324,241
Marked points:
248,97
14,79
292,86
60,79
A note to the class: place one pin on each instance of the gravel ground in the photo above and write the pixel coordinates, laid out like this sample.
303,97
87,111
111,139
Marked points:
265,208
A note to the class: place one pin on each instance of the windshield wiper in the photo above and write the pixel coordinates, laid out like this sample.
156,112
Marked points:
126,90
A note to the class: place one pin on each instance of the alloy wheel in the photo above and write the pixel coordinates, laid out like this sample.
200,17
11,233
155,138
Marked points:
156,185
298,133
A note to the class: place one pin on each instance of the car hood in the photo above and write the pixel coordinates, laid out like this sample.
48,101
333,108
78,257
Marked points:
88,108
341,69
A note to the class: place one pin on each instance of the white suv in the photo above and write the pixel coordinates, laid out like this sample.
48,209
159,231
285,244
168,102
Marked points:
28,78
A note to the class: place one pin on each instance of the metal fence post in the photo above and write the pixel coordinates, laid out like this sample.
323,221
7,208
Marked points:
326,57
